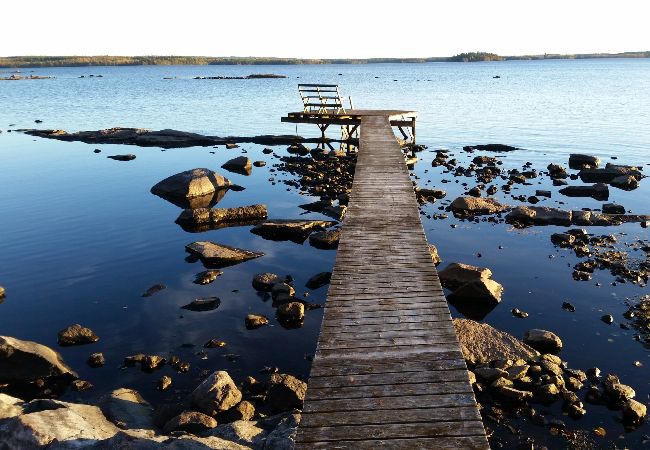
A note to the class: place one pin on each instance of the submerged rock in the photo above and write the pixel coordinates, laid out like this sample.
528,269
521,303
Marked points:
598,191
216,394
473,206
77,335
292,230
319,280
218,254
201,184
128,157
255,321
203,304
203,219
154,289
22,361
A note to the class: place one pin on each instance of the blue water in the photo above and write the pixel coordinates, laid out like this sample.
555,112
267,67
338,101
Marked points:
81,237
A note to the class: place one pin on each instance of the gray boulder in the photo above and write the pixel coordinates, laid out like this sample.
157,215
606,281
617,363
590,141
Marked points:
127,409
198,183
482,343
26,361
217,393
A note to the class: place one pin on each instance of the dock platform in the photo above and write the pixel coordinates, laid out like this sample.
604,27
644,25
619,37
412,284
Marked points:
388,372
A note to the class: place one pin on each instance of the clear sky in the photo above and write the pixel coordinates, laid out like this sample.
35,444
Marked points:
321,29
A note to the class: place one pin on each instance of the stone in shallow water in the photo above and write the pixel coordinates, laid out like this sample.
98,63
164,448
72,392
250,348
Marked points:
203,219
579,161
25,361
240,164
264,281
203,304
285,392
207,276
213,253
598,191
216,394
77,335
325,240
201,184
539,215
319,280
289,230
457,274
474,206
128,157
543,340
255,321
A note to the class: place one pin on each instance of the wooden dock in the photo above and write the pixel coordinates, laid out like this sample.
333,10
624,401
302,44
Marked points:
388,371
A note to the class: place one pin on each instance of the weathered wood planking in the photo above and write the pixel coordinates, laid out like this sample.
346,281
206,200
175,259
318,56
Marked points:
388,371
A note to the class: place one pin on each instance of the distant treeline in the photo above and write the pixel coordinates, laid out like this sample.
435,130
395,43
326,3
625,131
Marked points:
71,61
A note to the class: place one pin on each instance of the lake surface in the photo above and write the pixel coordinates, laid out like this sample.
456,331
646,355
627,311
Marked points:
82,237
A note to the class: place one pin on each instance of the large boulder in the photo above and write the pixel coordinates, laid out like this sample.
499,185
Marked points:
481,290
285,392
217,393
625,182
56,424
127,409
128,440
196,183
456,274
218,254
10,406
543,340
598,191
539,215
608,173
26,361
474,206
482,343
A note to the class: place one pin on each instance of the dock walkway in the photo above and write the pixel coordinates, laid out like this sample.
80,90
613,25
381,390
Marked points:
388,371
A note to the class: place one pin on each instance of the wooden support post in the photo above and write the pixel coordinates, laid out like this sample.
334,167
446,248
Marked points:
413,128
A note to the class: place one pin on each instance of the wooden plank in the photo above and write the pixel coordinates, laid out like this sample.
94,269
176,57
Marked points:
388,370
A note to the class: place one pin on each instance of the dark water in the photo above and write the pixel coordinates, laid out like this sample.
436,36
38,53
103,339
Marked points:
81,237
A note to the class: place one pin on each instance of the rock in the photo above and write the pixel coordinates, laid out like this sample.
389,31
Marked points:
244,410
431,195
81,385
10,407
243,432
145,441
56,426
489,373
77,335
563,239
607,174
292,312
240,164
598,191
319,280
256,321
231,145
154,289
540,193
519,313
264,281
515,394
127,409
207,276
481,290
214,343
473,206
325,240
578,161
196,183
542,340
216,394
539,215
22,361
2,292
316,206
433,251
128,157
482,343
490,148
616,390
282,288
164,383
292,230
285,392
457,274
259,163
625,182
633,412
203,304
556,171
190,422
203,219
218,254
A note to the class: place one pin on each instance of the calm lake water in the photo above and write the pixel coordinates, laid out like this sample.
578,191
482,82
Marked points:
81,237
